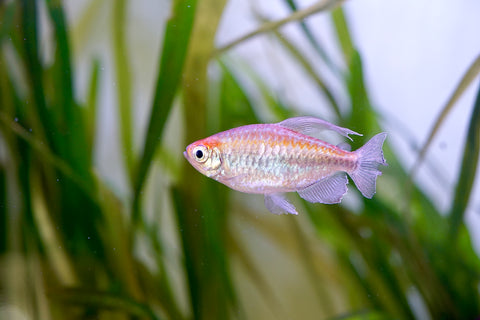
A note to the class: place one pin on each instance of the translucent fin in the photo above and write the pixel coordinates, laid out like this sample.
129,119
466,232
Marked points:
344,146
328,190
277,204
312,126
370,156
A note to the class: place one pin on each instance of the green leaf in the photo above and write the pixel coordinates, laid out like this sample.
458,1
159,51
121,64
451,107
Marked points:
308,68
275,25
47,155
70,144
468,171
343,34
465,82
124,96
7,15
235,106
3,211
43,123
91,108
362,117
314,41
175,44
101,300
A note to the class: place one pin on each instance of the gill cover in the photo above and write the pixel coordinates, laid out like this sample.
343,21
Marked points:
208,159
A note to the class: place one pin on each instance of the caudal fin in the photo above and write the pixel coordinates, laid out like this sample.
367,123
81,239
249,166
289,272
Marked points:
370,156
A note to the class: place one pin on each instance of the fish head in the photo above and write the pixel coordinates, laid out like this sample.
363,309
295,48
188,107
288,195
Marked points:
205,156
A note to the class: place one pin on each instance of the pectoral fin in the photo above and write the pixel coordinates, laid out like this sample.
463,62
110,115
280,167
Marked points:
277,204
328,190
312,126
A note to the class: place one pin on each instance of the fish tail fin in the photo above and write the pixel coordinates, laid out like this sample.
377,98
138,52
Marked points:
370,156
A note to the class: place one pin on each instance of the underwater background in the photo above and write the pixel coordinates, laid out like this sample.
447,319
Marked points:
101,217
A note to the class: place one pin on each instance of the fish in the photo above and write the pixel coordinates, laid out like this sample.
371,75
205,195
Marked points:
288,156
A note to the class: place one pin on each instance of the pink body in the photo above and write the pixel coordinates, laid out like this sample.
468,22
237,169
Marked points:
268,158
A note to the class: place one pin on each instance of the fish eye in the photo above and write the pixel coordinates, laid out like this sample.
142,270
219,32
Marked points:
200,153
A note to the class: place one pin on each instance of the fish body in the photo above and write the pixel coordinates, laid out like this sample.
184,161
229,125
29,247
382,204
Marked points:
273,159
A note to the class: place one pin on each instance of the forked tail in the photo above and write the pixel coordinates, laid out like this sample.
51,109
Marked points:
370,156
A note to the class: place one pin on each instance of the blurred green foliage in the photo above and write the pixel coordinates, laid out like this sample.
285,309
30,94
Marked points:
69,246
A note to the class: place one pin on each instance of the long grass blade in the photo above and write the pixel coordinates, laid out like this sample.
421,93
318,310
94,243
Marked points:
274,25
3,211
361,117
306,254
254,273
274,104
343,34
124,96
467,79
468,171
62,61
236,108
44,125
175,44
48,156
310,70
72,146
204,215
78,211
101,300
314,41
91,108
7,14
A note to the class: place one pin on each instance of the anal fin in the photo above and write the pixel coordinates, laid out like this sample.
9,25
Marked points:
276,203
328,190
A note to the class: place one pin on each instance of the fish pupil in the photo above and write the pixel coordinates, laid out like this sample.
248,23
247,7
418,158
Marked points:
199,154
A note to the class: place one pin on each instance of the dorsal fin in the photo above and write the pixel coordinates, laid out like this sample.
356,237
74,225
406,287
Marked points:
310,126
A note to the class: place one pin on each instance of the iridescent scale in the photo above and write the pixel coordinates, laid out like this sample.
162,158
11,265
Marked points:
267,158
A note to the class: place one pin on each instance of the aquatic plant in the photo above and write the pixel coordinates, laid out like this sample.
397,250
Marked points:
174,245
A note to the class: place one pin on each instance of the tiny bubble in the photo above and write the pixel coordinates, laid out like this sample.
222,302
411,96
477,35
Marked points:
58,180
88,238
188,6
16,119
114,249
30,129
